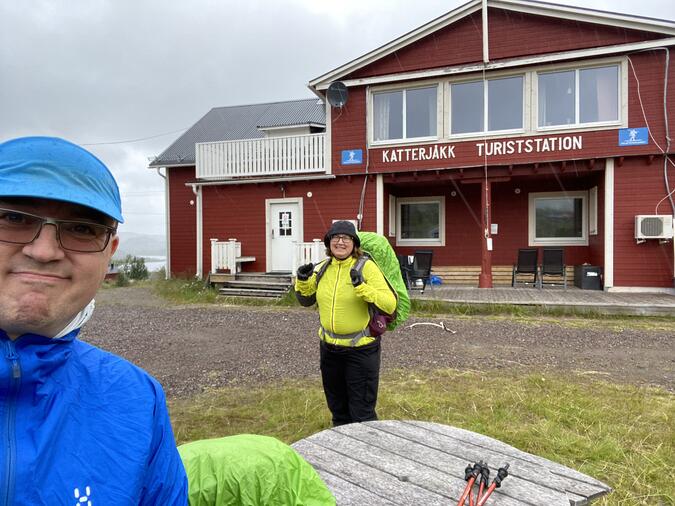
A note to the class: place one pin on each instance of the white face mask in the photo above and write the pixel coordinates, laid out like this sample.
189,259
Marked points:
80,319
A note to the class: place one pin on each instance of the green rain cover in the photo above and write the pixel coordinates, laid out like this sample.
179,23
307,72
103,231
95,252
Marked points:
250,470
380,251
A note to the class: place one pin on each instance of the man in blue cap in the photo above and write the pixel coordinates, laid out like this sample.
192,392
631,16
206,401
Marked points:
79,425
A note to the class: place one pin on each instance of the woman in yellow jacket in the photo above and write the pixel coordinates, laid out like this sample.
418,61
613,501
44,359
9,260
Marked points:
350,355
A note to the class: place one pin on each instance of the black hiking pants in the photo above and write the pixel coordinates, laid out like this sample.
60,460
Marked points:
350,381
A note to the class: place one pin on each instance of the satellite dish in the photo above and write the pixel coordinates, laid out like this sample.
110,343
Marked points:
337,94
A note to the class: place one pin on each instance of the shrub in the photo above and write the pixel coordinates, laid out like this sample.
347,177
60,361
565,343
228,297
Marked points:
134,268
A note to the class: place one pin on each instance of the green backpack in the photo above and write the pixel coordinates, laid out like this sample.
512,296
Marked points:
378,249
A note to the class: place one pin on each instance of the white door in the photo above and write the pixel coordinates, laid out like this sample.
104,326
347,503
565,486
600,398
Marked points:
285,225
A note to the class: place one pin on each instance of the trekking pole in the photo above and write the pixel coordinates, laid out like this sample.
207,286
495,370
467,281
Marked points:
496,483
470,474
484,480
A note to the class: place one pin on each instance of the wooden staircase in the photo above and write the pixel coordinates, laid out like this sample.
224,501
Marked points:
245,284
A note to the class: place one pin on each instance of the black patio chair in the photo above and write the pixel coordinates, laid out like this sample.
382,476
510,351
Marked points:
553,264
421,269
526,264
406,269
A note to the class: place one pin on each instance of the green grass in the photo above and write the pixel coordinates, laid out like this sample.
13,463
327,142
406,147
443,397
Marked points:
619,434
193,291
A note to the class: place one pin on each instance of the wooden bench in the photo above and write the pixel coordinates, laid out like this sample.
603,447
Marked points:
422,463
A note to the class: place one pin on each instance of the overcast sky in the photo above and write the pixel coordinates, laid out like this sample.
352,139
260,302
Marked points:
105,71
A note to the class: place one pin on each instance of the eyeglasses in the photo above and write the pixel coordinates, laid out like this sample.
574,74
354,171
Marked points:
344,238
17,227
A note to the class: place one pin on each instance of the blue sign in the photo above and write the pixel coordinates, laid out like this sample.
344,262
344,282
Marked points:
352,156
633,136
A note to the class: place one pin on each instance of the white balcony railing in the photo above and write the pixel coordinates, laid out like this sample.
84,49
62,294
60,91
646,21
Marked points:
297,154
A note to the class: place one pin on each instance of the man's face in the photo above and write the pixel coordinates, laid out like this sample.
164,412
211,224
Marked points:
43,286
341,246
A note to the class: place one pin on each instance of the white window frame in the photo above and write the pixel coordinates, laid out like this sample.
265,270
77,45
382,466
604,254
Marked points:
593,211
557,241
485,132
440,241
622,96
404,140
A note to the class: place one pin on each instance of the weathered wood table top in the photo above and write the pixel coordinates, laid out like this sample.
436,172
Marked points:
422,463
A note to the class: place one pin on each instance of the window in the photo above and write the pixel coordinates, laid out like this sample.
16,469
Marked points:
558,219
405,114
420,221
499,105
580,96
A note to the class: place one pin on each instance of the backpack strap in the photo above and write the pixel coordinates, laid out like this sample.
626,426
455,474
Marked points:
325,263
322,270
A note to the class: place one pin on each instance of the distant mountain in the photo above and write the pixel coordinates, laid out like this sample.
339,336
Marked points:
141,245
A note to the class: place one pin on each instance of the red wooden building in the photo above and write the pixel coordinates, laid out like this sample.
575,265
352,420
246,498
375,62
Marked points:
489,129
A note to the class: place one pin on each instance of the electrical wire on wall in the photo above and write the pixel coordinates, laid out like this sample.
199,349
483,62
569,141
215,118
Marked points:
486,210
666,151
359,216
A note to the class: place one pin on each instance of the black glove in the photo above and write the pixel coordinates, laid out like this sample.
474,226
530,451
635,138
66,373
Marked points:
305,271
356,276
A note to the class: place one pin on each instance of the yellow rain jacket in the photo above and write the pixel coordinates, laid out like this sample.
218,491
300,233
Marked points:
343,308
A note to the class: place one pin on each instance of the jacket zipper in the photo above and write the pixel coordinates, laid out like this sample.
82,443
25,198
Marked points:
10,422
332,313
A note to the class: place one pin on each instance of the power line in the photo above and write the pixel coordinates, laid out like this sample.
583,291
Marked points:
134,140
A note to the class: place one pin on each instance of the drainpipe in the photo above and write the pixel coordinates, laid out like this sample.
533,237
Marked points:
167,222
197,190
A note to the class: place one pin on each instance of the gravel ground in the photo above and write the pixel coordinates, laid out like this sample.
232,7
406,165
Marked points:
188,348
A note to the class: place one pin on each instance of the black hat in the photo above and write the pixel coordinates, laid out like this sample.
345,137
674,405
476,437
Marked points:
342,227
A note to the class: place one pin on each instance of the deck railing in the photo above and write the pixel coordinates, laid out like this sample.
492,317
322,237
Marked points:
308,252
296,154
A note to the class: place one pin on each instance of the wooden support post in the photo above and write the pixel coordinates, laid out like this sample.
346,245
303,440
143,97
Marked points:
485,277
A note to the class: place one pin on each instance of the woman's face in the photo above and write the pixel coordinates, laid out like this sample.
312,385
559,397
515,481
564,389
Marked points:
341,246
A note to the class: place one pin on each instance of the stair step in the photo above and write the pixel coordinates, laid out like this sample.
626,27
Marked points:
246,283
246,292
274,278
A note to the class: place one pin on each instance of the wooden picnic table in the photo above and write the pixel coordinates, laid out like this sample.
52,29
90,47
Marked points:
408,463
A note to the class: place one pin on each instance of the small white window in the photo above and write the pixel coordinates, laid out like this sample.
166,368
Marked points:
420,221
578,97
558,219
405,114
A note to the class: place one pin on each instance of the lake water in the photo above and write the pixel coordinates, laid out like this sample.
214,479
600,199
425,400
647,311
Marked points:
155,263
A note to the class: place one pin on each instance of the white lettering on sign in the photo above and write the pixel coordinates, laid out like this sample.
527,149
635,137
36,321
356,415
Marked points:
418,154
541,145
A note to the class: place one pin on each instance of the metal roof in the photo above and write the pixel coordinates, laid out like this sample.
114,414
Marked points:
240,122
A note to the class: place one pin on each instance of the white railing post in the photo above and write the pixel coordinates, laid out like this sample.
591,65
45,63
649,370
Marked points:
214,256
232,255
318,252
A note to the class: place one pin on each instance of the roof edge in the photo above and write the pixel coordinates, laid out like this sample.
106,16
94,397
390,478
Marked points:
632,22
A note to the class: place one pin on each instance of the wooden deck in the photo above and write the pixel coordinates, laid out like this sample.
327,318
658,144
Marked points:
422,463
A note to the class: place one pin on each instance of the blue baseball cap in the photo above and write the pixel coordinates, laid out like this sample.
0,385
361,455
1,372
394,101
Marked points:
53,168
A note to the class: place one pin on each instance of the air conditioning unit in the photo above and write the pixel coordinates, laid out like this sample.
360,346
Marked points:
653,226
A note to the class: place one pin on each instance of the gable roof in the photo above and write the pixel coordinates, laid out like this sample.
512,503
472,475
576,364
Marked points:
241,122
580,14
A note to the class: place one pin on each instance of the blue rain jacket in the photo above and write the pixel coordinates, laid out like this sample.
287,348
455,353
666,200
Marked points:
82,426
